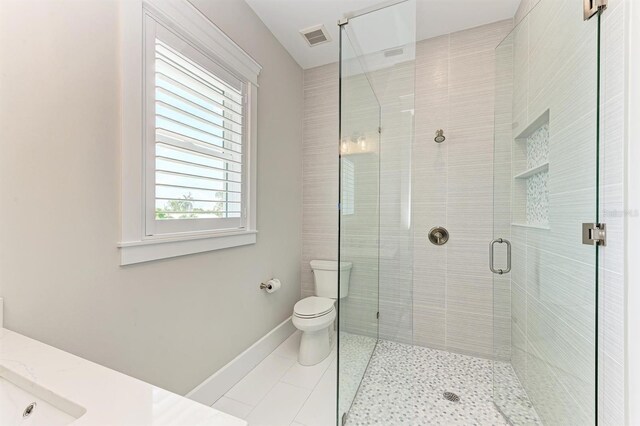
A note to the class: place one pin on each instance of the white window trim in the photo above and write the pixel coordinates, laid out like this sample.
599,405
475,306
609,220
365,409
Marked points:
183,18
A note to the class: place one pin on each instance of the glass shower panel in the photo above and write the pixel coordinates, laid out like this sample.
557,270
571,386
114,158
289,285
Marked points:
545,188
377,106
359,222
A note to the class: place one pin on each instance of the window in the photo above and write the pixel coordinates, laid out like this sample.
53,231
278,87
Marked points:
197,134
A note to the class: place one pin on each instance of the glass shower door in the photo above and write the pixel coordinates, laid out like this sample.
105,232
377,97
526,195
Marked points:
358,222
545,188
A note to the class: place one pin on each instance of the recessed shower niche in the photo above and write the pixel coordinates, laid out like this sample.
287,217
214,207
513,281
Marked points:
531,168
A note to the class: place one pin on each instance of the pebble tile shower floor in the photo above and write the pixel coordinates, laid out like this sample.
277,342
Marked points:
404,385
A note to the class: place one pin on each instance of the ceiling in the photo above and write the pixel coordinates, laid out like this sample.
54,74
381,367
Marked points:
285,19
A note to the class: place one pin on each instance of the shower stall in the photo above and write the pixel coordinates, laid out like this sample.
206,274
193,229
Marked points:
468,208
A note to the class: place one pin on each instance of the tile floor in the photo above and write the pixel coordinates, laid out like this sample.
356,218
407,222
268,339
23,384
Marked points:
281,392
403,385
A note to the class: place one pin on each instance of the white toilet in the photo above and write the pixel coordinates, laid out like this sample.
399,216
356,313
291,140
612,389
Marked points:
314,315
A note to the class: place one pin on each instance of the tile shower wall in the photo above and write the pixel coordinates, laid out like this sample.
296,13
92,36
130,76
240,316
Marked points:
359,225
552,285
394,87
611,358
320,194
611,397
320,170
452,186
552,296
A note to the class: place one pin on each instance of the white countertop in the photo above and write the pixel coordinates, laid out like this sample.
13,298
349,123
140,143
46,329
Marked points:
109,397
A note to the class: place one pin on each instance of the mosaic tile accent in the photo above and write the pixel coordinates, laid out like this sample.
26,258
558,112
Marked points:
537,185
404,385
538,147
538,199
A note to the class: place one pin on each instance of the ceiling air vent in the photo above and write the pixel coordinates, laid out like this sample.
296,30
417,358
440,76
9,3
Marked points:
315,35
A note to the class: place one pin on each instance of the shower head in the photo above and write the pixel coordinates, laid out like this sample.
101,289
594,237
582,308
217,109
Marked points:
439,136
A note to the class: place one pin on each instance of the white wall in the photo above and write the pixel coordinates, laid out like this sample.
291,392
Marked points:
172,322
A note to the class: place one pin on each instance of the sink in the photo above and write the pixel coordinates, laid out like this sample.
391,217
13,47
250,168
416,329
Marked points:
25,403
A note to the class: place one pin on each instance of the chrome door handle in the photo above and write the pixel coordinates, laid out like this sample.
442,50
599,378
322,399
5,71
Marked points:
491,245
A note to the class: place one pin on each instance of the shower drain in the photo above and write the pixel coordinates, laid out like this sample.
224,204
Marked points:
450,396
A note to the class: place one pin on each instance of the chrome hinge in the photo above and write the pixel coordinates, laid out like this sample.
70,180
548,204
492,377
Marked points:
591,7
594,234
377,315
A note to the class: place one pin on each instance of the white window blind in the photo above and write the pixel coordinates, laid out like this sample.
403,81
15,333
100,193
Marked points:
198,137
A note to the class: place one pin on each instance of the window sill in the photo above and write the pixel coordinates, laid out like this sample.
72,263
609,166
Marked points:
132,252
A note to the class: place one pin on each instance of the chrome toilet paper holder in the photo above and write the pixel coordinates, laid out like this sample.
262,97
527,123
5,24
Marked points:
265,286
271,286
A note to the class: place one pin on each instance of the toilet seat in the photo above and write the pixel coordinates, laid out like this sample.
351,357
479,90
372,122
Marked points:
313,307
315,321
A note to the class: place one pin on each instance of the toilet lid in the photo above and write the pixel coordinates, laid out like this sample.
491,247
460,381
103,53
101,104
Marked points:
313,306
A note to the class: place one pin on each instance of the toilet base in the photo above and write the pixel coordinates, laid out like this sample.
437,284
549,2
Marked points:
315,346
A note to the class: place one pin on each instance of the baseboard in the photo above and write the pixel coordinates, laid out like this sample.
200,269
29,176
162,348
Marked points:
222,380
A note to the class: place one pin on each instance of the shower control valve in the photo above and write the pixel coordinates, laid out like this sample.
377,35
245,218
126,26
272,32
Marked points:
438,235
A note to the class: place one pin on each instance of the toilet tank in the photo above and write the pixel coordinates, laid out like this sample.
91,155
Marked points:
325,274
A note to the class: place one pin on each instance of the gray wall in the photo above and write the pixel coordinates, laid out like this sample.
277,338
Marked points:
171,322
